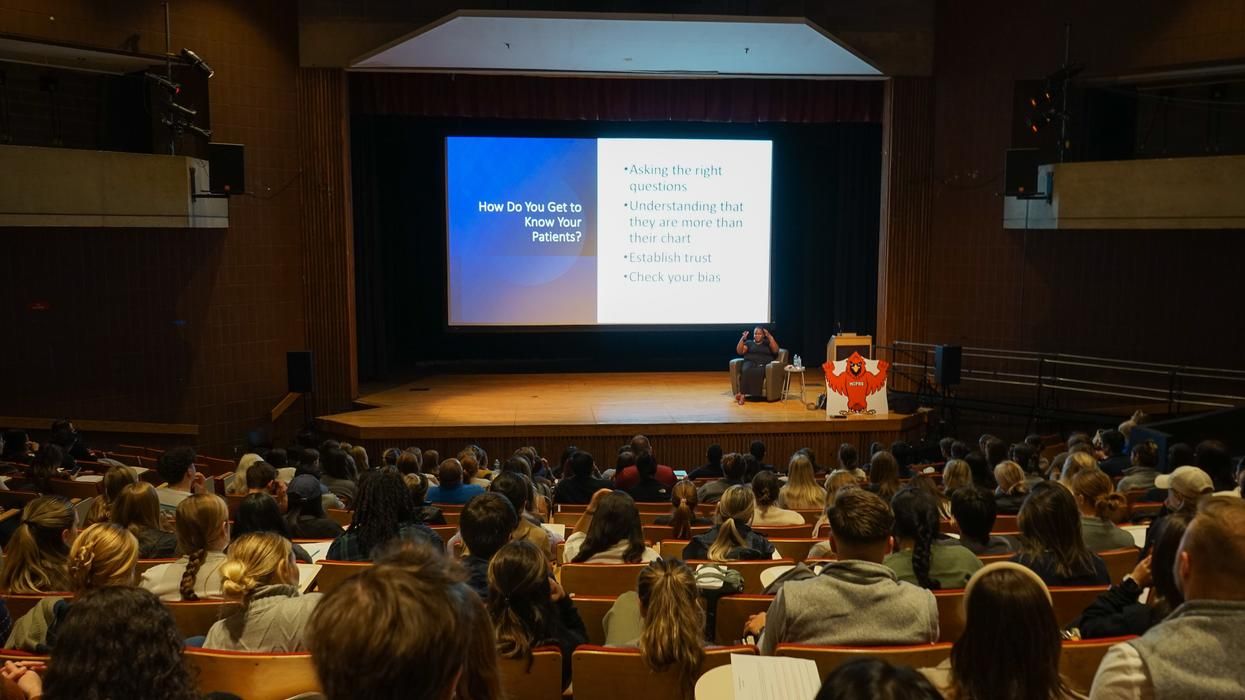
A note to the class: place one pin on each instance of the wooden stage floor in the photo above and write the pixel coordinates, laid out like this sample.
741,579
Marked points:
480,406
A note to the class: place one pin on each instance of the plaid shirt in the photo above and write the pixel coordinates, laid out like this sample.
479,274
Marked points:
346,547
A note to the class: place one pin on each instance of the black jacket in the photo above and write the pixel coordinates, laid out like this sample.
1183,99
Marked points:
698,548
1117,613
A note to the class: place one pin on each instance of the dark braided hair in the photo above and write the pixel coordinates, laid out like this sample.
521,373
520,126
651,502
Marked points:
199,519
384,503
916,518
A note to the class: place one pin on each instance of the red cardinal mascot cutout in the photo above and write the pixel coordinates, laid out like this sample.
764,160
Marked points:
856,383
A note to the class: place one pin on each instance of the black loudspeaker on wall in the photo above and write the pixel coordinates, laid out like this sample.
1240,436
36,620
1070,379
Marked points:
947,365
299,373
1020,172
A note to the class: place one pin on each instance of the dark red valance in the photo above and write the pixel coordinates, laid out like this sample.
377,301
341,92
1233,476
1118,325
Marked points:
734,100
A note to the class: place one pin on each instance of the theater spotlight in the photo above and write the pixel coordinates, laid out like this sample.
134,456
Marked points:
168,85
197,62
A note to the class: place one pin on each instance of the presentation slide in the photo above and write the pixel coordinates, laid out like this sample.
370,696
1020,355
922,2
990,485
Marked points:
582,232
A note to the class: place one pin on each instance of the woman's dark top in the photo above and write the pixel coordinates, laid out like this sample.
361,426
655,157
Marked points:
565,629
760,353
1117,613
708,471
1009,504
756,545
1044,567
156,544
650,491
430,515
306,527
752,376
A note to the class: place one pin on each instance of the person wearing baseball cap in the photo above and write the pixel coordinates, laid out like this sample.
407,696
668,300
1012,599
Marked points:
1185,486
305,516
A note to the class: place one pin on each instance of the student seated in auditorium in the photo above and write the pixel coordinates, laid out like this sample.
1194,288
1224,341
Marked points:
648,489
1101,508
486,524
516,488
608,532
1115,460
202,527
973,510
684,516
102,555
1194,652
115,479
450,488
731,537
258,512
624,460
921,556
757,449
1119,611
875,679
425,512
45,466
139,657
664,619
64,434
541,500
630,477
1011,642
767,490
17,447
137,509
1025,455
733,468
1051,543
261,575
956,474
802,492
1211,456
1144,461
836,481
856,600
1184,487
529,608
442,643
304,516
338,475
36,557
712,468
261,478
181,479
884,475
578,486
383,512
1011,489
236,486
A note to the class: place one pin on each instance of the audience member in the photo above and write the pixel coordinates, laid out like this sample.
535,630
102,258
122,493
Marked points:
664,618
1213,458
259,512
17,447
486,524
1118,611
802,491
261,576
518,490
452,487
712,469
383,512
1184,487
261,478
974,513
181,478
956,475
45,466
920,557
202,528
418,485
115,479
856,600
102,555
684,516
757,449
1141,475
579,486
237,485
1026,456
766,489
609,532
529,607
836,481
1192,652
137,509
114,642
1100,508
630,477
1012,487
648,489
731,537
36,557
1115,460
445,647
924,483
1011,642
883,475
849,461
1076,463
874,679
338,475
64,434
305,516
733,468
1051,542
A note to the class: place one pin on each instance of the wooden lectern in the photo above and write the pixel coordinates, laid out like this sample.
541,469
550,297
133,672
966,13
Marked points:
844,344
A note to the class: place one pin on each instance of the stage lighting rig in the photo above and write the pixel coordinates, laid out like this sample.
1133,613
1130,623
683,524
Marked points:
197,62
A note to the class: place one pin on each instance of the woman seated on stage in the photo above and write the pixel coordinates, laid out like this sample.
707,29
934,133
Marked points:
609,532
732,538
761,350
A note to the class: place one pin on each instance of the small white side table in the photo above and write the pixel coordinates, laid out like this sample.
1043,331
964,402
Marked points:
786,385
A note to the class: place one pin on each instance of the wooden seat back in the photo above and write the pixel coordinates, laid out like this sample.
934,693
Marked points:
196,617
333,573
950,614
253,676
21,603
829,658
539,680
600,579
592,609
1071,601
1079,660
785,531
340,516
610,673
733,613
794,549
1120,562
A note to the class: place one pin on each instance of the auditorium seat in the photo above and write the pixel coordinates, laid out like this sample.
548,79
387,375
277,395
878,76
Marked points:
445,532
1120,562
750,570
785,531
1145,510
811,516
611,673
567,518
253,676
20,603
196,617
1079,660
795,549
950,614
129,460
733,613
829,658
339,516
16,499
592,609
662,508
658,533
234,501
600,579
1071,601
333,573
541,680
671,549
19,655
988,558
143,564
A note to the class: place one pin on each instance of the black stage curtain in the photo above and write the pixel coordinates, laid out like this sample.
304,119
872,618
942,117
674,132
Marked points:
827,189
733,100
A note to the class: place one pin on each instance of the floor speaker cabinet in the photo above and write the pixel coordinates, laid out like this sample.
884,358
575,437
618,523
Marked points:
299,372
947,364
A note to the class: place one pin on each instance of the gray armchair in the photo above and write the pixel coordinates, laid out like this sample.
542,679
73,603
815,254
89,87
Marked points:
771,388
